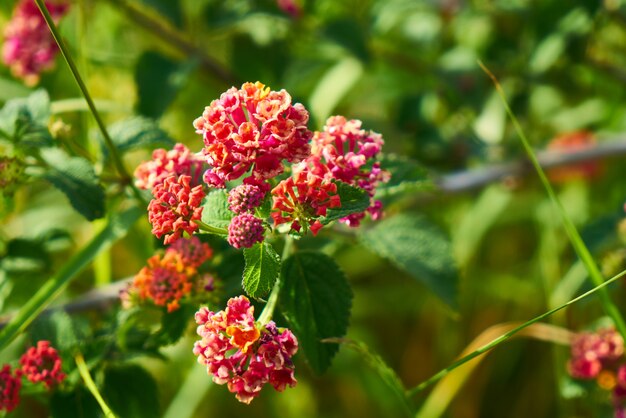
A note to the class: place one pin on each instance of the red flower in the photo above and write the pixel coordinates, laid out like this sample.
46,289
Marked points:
42,364
174,208
177,161
10,385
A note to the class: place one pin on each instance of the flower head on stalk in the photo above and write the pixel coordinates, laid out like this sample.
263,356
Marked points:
245,230
170,277
42,364
345,152
175,207
252,129
302,198
177,161
242,354
29,47
10,385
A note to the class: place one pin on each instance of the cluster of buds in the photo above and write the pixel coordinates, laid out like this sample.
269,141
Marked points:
172,276
39,364
11,170
243,354
177,161
29,48
599,356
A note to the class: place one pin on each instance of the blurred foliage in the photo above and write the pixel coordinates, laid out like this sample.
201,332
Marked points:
408,70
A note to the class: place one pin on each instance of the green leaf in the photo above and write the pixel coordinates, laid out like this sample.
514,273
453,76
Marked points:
25,120
77,404
406,176
25,256
158,80
353,200
116,228
386,373
349,34
333,86
262,269
170,9
173,326
58,328
131,392
416,245
316,300
76,178
138,132
216,212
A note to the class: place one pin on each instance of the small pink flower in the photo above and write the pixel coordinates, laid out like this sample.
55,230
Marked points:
591,352
343,151
177,161
175,207
241,354
291,7
10,385
29,47
245,230
253,130
301,199
42,364
245,198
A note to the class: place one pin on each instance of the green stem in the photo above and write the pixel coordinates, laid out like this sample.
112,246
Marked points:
211,229
506,336
83,370
575,238
268,310
92,107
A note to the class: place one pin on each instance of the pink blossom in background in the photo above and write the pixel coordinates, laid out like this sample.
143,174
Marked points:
29,48
241,354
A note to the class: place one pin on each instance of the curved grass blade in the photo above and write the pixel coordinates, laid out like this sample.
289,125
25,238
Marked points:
504,337
574,236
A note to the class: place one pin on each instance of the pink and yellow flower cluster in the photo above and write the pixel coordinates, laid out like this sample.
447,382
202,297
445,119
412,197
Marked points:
243,354
600,356
172,276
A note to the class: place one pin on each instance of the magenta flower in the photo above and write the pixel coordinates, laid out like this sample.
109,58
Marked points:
42,364
241,354
252,129
175,207
591,352
29,48
245,230
343,151
10,385
177,161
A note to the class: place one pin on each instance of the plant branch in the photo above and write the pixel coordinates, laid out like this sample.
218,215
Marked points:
175,39
473,179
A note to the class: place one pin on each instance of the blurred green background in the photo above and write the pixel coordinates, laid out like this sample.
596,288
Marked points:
407,69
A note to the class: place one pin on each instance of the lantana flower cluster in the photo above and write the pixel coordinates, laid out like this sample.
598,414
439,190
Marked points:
29,48
600,357
39,364
243,354
172,276
252,136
